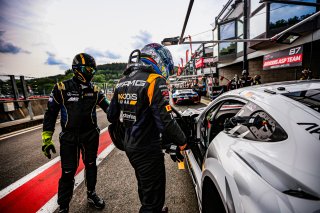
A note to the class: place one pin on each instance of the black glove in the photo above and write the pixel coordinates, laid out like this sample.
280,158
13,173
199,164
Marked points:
174,152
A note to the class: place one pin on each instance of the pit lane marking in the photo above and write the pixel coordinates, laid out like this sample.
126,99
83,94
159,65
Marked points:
26,130
52,204
4,192
48,205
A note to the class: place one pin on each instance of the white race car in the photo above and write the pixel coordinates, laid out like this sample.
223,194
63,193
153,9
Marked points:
257,149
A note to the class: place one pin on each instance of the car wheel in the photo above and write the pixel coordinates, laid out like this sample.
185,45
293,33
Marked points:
211,200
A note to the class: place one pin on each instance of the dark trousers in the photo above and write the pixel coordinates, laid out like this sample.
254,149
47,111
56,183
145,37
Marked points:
150,173
71,144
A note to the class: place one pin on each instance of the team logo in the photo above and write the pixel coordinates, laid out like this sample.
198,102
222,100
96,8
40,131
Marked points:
72,94
74,99
168,108
128,98
88,94
137,83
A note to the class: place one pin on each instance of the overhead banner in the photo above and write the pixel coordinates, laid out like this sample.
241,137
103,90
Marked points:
283,59
200,63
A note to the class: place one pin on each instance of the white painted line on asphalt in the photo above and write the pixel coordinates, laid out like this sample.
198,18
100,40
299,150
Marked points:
19,132
28,177
52,204
22,131
36,172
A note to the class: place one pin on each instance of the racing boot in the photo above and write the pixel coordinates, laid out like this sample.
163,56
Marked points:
63,209
95,200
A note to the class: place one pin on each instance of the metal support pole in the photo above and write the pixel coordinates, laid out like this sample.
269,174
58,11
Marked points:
25,94
14,87
24,87
186,21
245,36
14,90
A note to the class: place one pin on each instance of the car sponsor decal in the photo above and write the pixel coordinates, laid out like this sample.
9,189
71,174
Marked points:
312,128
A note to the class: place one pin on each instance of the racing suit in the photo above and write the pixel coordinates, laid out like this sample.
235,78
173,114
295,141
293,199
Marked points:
245,81
80,132
140,102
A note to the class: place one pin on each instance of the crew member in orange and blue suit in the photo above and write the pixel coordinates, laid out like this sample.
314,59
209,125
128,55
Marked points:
141,104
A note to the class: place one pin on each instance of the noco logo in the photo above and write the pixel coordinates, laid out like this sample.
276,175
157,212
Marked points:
127,96
312,128
137,83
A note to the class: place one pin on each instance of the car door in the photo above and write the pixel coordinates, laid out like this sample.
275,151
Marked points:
209,124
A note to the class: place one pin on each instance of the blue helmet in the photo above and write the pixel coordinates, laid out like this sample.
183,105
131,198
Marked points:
159,57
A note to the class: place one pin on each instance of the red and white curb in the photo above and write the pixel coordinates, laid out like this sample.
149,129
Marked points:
37,191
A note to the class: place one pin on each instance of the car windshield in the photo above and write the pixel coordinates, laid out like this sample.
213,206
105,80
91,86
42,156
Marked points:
310,98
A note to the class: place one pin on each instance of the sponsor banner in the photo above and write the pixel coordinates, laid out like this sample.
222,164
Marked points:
210,70
199,72
283,59
200,63
208,60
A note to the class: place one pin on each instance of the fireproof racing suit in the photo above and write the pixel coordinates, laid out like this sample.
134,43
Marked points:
140,102
80,132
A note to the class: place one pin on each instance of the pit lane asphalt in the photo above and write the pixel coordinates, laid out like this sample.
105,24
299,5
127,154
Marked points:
118,186
21,154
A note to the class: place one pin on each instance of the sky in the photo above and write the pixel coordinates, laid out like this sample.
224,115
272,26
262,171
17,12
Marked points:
39,38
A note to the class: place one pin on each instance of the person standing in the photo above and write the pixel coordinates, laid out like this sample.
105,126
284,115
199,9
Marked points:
197,89
245,80
306,74
76,99
256,80
234,83
141,104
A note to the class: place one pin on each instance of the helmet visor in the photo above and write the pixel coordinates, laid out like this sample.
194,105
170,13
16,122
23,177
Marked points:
84,73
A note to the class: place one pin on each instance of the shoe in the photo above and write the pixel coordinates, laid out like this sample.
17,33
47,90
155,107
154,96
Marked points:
165,209
63,210
95,200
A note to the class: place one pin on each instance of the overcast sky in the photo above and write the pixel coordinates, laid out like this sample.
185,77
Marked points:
40,37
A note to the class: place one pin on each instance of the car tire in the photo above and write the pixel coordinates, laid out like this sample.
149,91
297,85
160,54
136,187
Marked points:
211,200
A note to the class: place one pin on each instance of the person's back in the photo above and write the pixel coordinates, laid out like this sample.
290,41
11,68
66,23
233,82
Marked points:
134,94
141,104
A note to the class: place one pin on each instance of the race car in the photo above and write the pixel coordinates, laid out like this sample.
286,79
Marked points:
257,149
185,95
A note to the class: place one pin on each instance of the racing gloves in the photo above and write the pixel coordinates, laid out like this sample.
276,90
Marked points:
47,144
174,152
